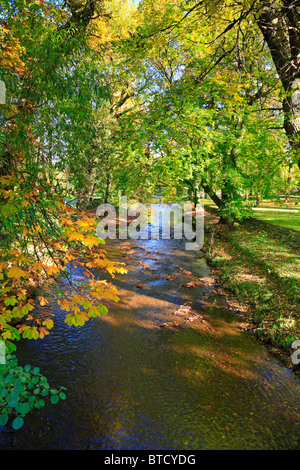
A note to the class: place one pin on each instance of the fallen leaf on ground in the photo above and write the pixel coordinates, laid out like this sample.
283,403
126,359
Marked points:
192,284
170,324
205,307
183,271
203,281
183,310
126,244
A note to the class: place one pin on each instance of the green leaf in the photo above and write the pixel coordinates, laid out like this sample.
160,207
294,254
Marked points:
54,399
102,309
10,347
8,379
32,399
3,419
23,408
10,301
12,402
3,393
17,423
14,393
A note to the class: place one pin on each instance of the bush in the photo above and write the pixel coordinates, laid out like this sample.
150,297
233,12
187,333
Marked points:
21,390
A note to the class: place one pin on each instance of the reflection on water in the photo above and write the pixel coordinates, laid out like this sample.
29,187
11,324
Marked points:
158,372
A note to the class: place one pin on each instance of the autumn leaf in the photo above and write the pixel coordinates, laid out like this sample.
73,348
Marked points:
10,301
16,272
43,301
53,269
48,323
76,319
91,241
42,332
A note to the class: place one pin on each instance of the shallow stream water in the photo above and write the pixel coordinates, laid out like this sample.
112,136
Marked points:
159,371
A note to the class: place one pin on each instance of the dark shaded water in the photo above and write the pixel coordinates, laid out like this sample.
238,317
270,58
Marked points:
137,380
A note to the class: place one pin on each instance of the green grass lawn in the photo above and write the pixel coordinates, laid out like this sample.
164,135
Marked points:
289,220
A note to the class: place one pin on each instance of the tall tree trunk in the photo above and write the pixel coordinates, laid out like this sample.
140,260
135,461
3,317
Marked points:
280,28
106,195
215,198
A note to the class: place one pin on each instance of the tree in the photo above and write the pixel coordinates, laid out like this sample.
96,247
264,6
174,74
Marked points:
42,238
210,103
278,23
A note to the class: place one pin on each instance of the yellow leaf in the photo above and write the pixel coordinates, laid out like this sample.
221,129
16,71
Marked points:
48,323
37,266
76,319
76,236
42,332
16,272
91,241
53,269
66,221
87,222
43,301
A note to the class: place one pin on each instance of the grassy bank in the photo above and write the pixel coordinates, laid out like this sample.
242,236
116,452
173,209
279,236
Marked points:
258,266
290,220
284,214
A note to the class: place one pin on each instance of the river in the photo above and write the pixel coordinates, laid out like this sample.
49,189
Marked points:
159,371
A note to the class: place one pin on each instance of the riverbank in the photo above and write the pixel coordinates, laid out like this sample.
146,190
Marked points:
258,270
